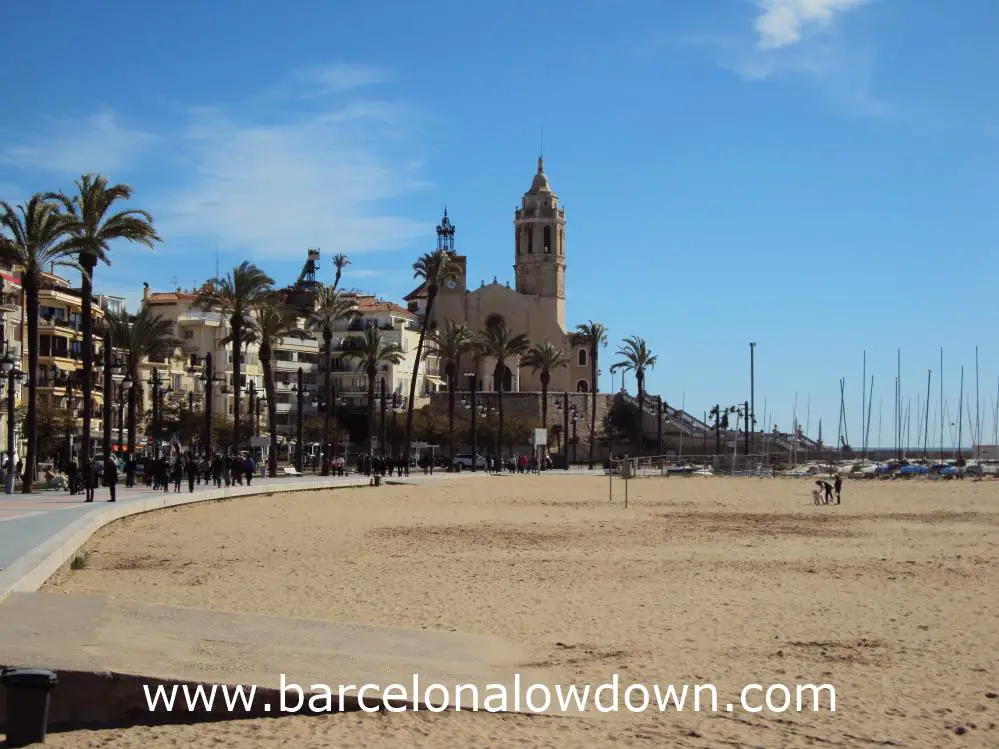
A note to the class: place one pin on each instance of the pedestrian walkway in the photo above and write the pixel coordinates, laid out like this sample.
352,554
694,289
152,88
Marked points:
39,532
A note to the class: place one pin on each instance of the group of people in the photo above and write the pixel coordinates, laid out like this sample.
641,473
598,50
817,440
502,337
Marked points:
160,473
522,463
823,495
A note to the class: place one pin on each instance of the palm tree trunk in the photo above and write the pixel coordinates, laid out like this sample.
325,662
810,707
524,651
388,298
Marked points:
593,402
132,396
88,262
431,296
31,429
328,397
372,373
265,362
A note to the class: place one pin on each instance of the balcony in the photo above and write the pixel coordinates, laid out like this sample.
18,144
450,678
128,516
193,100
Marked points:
282,365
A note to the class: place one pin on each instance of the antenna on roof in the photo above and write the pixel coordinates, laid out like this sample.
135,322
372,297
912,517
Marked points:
541,153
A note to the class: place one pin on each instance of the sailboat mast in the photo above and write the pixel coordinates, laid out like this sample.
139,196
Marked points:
926,434
863,393
867,430
960,413
978,413
941,406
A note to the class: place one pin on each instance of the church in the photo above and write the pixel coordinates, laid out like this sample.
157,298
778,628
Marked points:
535,307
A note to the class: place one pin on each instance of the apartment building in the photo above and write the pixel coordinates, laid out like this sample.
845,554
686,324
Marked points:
11,335
198,333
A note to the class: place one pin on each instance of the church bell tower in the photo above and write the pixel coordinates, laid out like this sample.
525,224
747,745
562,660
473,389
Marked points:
539,226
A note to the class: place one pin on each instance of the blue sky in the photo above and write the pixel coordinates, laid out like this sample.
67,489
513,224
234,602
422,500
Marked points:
818,176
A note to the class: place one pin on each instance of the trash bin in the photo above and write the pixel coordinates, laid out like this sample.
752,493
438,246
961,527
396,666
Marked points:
27,704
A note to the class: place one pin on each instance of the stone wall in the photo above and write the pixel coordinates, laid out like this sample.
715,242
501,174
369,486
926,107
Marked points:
526,407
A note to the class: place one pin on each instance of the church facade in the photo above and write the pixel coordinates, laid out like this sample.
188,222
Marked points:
535,305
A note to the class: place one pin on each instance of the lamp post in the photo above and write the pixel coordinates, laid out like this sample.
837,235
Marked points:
124,387
475,442
256,417
252,391
384,425
208,381
752,389
299,389
11,373
155,383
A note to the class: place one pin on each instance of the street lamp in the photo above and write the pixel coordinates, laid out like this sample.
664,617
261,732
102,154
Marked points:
11,374
475,454
301,392
384,432
155,382
208,380
124,387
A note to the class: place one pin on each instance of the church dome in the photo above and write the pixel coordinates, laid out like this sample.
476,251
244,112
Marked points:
540,183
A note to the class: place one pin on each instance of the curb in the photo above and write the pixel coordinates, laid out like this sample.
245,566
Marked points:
30,572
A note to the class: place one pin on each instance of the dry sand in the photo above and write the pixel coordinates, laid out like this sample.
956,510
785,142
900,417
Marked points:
891,597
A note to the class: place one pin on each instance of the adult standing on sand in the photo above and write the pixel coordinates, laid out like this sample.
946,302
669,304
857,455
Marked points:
838,485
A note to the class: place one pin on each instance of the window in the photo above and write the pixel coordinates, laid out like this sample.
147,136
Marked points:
581,357
495,321
530,240
582,387
188,335
548,240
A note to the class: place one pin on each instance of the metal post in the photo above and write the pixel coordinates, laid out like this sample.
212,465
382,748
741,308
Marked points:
252,404
108,414
475,440
752,390
209,377
121,419
565,427
299,433
156,411
384,433
746,416
10,432
256,419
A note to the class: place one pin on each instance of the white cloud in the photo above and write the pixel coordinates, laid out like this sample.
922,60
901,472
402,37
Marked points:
793,40
782,22
317,180
342,77
73,147
269,181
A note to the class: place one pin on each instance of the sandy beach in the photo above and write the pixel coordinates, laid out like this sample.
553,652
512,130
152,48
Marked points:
891,597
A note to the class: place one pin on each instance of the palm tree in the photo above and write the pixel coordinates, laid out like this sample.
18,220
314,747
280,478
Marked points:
34,236
237,295
543,358
274,322
435,268
340,261
637,358
593,336
331,306
141,336
498,342
450,344
95,228
374,354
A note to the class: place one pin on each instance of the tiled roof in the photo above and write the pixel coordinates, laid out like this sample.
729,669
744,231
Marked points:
420,292
170,296
376,305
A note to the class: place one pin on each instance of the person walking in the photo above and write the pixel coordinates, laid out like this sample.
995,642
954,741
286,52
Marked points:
192,472
177,473
249,467
72,473
111,476
838,486
130,466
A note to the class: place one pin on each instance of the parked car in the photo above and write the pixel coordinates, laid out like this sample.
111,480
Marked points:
464,462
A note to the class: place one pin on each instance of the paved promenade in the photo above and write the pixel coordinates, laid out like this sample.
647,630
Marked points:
40,532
